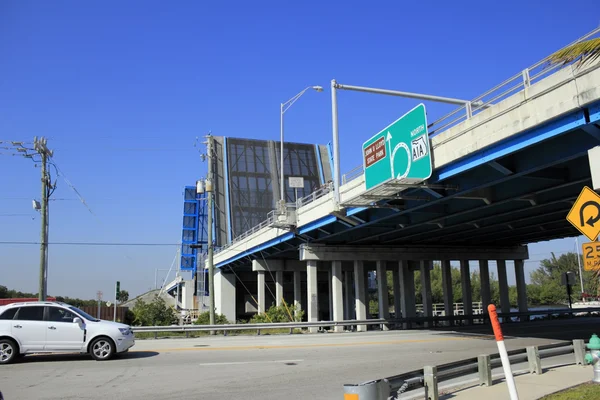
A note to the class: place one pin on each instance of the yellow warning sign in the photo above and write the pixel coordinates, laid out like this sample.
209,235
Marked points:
591,256
585,213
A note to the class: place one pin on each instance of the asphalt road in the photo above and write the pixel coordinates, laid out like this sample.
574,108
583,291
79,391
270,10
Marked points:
250,367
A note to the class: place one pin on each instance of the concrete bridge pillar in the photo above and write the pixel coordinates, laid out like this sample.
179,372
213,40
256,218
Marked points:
382,292
338,299
484,276
407,281
225,294
278,287
366,285
261,291
312,293
348,298
397,300
447,290
465,281
521,286
426,290
503,284
359,290
297,291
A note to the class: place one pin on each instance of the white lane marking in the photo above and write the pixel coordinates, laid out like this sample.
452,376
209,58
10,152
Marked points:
250,362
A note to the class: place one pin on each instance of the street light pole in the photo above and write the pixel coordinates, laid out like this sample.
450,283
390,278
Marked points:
283,108
209,198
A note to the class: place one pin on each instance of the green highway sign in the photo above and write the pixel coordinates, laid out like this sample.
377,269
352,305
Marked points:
401,151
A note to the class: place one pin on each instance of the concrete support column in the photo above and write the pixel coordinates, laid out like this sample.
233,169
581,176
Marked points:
225,294
336,284
261,291
503,284
382,293
330,288
397,302
348,299
426,290
297,291
312,293
278,288
465,280
484,277
359,290
447,290
521,286
366,284
407,281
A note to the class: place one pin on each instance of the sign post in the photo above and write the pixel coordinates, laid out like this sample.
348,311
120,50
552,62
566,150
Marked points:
399,152
296,182
117,290
568,279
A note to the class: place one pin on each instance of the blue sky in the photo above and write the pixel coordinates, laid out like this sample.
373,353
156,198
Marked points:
123,89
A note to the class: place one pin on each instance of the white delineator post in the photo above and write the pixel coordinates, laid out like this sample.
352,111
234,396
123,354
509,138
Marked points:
510,380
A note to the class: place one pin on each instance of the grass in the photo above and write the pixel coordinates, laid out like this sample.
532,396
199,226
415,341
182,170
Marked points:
587,391
150,335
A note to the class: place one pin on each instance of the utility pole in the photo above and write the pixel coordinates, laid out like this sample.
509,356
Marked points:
580,269
42,150
209,200
99,297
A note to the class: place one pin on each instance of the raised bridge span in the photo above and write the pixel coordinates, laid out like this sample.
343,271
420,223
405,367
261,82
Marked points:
507,167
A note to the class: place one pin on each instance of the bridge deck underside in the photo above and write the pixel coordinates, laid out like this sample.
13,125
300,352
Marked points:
519,198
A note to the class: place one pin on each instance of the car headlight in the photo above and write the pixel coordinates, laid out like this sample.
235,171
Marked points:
124,331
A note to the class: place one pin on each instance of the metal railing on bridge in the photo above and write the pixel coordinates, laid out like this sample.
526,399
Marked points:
509,87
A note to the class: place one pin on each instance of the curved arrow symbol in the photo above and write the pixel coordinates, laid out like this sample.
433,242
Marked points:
592,220
388,140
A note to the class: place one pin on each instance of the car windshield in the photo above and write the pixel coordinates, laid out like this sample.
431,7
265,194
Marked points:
84,314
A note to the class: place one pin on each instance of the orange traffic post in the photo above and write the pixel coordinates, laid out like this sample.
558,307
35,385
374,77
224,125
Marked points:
510,380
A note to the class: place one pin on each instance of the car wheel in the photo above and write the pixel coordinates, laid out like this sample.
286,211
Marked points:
8,351
102,349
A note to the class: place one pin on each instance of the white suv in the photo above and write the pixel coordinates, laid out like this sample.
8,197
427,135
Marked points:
52,327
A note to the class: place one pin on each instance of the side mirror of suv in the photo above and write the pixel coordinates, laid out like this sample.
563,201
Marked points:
77,320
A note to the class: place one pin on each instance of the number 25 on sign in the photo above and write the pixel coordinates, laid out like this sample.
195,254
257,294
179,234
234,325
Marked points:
591,256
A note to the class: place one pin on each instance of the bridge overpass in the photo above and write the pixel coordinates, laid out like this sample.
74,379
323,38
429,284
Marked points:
507,168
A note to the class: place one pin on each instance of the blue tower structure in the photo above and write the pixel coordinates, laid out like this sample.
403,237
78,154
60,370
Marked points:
194,238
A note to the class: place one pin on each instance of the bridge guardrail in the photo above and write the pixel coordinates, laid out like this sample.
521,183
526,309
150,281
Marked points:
483,318
317,194
428,377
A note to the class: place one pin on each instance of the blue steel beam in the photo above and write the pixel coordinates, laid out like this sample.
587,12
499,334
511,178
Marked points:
508,196
564,149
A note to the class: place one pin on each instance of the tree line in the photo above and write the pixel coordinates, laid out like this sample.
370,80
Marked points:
544,289
6,293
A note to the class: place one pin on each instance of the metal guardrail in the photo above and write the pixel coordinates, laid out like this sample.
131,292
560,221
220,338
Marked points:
352,174
429,377
391,322
317,194
271,218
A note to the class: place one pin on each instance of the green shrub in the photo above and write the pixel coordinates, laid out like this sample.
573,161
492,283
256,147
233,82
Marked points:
156,313
204,319
279,314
